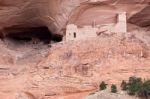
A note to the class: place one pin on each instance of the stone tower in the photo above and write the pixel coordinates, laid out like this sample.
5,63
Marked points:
121,25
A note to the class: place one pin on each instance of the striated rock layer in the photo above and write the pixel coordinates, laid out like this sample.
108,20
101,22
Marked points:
55,14
71,70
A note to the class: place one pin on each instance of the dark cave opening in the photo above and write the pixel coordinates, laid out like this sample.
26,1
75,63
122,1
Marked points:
35,35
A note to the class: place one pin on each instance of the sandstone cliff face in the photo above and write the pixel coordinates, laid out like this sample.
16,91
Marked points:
55,14
74,67
142,21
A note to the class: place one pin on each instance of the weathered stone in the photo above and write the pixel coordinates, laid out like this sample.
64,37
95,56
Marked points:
55,14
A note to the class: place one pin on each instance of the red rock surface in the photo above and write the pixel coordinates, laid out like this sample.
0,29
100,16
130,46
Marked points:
55,14
71,70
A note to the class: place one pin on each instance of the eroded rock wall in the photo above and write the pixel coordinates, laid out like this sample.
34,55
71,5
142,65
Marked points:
55,14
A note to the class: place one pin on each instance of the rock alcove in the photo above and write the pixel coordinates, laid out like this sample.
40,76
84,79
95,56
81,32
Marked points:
28,45
33,35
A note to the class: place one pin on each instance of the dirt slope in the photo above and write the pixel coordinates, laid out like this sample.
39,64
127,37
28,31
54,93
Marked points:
73,69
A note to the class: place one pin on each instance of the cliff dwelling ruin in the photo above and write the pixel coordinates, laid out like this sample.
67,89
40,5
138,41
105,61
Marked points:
37,35
32,35
63,49
73,32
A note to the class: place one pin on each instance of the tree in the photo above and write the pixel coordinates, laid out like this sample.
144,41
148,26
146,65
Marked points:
102,85
145,89
113,88
134,85
124,85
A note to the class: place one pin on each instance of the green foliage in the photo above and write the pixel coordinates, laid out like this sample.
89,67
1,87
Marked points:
124,85
145,89
102,85
134,85
113,88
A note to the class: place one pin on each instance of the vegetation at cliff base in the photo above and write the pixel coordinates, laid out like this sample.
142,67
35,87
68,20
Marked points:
102,86
113,88
124,85
136,86
133,86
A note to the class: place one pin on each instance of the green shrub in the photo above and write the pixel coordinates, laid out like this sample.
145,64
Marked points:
124,85
102,85
134,85
145,89
113,88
